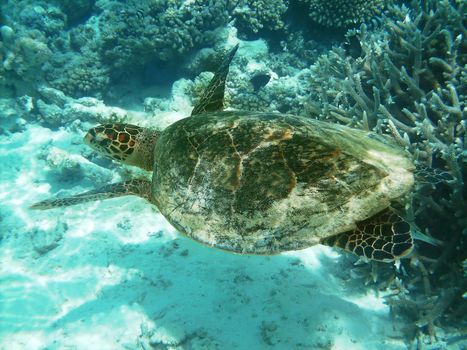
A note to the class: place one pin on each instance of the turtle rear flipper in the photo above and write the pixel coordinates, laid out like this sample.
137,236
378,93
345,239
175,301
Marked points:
383,237
137,187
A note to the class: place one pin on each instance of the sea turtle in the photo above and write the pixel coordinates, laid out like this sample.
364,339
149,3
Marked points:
263,183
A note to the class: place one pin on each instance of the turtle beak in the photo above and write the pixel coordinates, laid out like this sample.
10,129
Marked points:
94,138
88,139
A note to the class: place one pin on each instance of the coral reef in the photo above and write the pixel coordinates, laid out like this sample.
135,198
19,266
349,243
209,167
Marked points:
253,16
21,59
90,48
410,82
131,35
42,16
80,47
84,78
344,13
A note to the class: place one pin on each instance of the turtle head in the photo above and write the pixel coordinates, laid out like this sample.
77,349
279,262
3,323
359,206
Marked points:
127,143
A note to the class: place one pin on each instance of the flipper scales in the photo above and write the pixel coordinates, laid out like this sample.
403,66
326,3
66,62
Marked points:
383,237
137,187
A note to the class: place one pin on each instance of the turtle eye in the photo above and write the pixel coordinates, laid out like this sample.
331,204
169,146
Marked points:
108,132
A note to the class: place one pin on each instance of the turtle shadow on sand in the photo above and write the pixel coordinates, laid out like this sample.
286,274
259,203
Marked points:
235,300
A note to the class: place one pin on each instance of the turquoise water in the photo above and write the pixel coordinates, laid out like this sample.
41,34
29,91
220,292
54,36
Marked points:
114,274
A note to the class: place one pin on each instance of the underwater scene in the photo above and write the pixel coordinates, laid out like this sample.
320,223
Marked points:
233,174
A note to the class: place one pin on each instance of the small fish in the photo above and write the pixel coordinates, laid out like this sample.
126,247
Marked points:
138,13
353,47
260,80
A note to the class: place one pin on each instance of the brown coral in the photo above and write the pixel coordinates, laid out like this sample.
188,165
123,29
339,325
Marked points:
344,13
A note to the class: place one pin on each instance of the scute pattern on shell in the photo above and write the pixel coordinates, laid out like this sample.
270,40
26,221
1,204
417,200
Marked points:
264,183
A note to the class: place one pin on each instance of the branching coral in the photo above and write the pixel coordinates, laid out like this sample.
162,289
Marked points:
410,82
344,13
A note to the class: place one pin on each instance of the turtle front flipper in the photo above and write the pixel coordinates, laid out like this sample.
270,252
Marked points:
382,237
137,187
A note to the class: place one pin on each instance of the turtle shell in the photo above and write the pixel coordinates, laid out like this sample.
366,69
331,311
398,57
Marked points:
264,183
